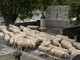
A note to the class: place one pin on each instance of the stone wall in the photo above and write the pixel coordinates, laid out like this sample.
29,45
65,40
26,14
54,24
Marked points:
58,23
57,13
57,16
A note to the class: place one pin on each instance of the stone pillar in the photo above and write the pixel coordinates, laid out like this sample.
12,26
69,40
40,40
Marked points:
42,22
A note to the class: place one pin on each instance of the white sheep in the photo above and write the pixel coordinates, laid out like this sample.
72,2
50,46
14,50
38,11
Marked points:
22,43
53,46
1,34
6,31
76,45
7,38
66,44
59,53
44,48
73,51
56,41
63,37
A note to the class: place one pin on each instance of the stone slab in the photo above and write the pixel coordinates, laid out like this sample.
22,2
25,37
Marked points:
58,23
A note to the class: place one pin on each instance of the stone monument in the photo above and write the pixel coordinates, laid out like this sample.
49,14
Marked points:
57,13
57,16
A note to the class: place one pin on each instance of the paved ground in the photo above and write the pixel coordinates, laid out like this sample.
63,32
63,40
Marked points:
53,31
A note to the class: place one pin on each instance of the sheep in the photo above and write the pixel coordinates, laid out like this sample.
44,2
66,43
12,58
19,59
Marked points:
56,41
6,31
11,34
21,27
63,37
66,44
52,46
76,45
44,48
32,44
24,44
32,39
1,34
3,27
26,30
14,28
46,43
20,41
73,51
71,40
22,34
7,38
21,44
42,34
37,42
53,36
36,31
13,40
59,53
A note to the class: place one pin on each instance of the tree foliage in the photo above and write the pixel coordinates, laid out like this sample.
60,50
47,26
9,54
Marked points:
75,11
22,7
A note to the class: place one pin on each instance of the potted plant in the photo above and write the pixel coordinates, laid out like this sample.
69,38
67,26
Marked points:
10,9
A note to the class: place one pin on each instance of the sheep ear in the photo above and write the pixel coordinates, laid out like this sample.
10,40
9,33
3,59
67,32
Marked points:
77,57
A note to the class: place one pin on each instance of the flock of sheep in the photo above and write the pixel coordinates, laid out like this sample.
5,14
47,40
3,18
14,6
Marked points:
24,37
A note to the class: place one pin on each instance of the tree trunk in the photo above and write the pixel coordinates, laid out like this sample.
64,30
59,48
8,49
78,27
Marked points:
9,18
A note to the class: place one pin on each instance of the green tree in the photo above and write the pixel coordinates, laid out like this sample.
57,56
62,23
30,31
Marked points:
61,2
75,11
10,9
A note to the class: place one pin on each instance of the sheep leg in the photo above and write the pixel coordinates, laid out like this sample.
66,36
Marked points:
25,49
21,48
7,43
44,55
14,46
18,47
